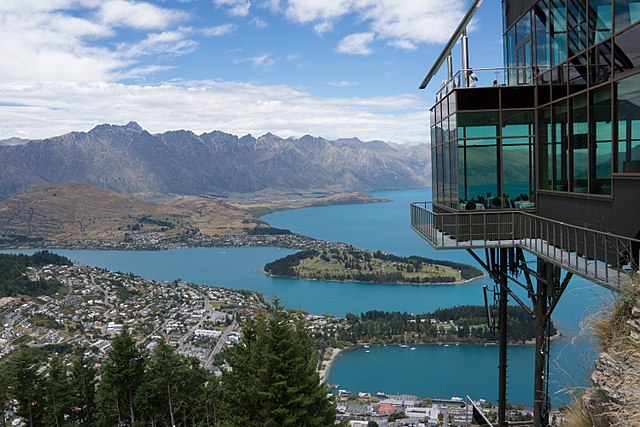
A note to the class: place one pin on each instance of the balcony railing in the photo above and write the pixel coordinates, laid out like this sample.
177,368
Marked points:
595,255
486,77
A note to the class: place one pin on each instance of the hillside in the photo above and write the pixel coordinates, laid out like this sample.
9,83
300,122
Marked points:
71,212
130,160
358,265
75,211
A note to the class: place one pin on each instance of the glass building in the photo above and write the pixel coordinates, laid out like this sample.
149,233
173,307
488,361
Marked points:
557,131
544,159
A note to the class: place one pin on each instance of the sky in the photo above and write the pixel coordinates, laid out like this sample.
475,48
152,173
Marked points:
330,68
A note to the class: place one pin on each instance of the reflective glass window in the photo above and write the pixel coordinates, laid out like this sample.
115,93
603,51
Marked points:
453,159
579,144
627,51
542,24
628,117
439,175
600,20
600,141
479,173
600,63
478,124
511,56
627,13
517,123
546,152
576,26
558,31
559,139
432,117
577,68
446,176
452,127
517,175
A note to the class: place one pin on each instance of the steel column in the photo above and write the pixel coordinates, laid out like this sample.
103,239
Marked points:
502,309
540,413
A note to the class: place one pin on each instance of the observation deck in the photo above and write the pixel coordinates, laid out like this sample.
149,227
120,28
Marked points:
603,258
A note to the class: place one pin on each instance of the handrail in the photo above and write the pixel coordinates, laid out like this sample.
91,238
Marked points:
589,253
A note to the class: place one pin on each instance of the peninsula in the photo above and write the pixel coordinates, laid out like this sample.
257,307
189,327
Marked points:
357,265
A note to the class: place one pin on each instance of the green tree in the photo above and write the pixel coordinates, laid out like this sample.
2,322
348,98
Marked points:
4,394
25,386
83,391
58,393
122,375
274,379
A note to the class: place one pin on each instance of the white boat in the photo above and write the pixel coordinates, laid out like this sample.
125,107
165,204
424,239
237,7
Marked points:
367,351
366,346
413,348
403,346
446,345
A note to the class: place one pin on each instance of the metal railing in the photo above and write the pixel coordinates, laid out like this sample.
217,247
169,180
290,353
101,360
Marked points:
485,77
589,253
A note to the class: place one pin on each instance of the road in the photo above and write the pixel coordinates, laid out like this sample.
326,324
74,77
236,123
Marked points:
220,344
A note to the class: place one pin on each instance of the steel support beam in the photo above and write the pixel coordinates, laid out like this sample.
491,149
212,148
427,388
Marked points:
539,395
502,382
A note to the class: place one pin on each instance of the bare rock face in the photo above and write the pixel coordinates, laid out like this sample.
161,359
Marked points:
614,399
130,160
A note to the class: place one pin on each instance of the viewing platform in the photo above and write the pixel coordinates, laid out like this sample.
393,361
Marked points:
603,258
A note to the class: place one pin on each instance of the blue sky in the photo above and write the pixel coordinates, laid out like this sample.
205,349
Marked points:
332,68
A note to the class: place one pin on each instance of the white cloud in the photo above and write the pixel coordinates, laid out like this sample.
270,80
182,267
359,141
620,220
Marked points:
259,23
59,107
238,8
218,30
343,83
138,15
57,39
404,24
264,60
356,44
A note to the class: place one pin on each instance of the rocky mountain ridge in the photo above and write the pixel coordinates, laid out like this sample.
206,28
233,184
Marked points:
130,160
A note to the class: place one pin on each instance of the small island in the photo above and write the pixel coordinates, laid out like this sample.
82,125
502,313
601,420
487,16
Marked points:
351,264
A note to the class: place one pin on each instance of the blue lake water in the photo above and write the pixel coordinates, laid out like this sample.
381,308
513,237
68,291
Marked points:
435,371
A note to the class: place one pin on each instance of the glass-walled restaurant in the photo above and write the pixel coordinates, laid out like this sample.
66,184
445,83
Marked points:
484,158
566,119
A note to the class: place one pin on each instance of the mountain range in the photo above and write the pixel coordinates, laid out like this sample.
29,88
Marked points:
127,159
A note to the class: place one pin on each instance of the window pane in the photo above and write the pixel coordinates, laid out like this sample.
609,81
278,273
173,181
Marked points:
516,174
478,125
453,153
627,13
600,63
546,153
542,24
439,175
579,146
452,127
517,123
446,175
627,53
600,20
559,139
628,110
481,173
600,141
558,32
576,26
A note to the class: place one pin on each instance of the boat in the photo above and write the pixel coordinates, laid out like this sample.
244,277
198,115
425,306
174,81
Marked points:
403,346
381,394
446,345
367,351
413,348
366,346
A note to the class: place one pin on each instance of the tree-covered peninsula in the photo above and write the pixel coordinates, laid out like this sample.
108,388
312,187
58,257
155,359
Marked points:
357,265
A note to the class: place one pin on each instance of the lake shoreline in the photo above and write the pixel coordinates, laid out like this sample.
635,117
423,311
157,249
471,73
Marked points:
463,282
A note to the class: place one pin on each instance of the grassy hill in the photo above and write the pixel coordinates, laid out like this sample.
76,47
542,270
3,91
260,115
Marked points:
352,264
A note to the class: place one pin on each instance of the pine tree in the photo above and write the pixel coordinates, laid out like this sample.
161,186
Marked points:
25,387
83,391
122,375
274,379
57,394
